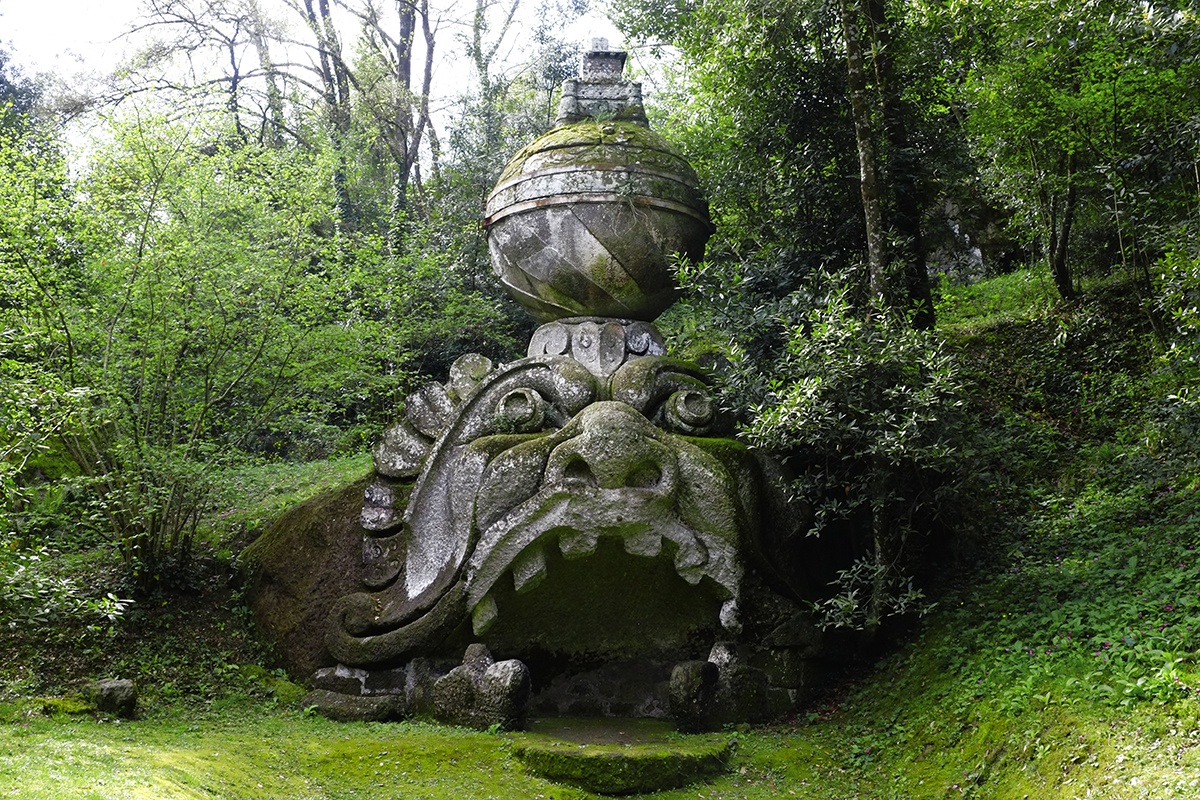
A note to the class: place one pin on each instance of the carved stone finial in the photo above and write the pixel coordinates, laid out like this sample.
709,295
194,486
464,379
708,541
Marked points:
601,65
586,219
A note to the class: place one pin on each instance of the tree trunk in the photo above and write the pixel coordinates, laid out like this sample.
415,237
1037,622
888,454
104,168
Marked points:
901,169
881,534
1059,237
877,283
1060,267
273,120
336,89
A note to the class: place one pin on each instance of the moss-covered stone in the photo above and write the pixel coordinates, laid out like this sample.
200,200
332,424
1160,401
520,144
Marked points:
620,756
298,568
355,708
592,141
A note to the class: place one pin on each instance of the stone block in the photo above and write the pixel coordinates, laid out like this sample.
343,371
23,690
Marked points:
117,696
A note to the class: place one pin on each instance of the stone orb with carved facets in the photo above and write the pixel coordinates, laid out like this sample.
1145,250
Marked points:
586,219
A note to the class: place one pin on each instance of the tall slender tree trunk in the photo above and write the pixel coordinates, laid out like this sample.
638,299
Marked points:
901,169
872,202
273,121
336,86
1058,236
1060,267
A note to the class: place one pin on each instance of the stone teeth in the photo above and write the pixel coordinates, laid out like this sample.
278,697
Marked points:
691,555
484,615
690,561
648,543
529,569
730,618
578,544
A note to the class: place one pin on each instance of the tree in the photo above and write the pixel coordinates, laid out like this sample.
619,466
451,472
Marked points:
864,135
1076,111
402,117
867,413
210,49
18,94
780,99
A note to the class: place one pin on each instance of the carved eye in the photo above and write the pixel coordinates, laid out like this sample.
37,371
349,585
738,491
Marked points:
520,411
688,411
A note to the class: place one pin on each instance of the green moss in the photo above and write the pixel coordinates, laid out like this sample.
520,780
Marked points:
298,569
591,142
620,756
70,706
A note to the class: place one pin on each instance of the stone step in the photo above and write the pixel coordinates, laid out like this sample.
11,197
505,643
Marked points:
614,755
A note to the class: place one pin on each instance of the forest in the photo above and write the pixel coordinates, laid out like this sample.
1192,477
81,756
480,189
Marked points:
956,266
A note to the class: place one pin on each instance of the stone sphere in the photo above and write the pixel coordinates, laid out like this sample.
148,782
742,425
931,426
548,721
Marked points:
585,220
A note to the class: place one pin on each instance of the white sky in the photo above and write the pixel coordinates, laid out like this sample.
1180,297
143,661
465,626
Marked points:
81,40
65,36
72,36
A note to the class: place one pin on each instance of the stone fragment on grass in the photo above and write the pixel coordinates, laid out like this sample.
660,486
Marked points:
355,708
480,693
117,696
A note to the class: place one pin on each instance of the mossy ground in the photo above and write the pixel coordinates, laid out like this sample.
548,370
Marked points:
255,750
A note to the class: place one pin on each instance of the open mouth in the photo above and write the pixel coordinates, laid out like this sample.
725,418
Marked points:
564,525
612,484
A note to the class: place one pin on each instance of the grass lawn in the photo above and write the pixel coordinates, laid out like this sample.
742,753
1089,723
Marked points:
242,749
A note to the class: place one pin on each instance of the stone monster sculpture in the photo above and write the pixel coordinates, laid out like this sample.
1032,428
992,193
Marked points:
582,509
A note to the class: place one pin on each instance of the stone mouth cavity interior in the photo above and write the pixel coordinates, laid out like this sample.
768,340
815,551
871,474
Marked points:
574,515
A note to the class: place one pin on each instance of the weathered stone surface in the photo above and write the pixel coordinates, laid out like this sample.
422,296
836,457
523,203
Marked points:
708,694
429,409
635,687
383,505
599,92
479,693
401,451
608,472
580,508
298,568
382,559
693,689
503,694
601,344
620,756
421,676
117,696
466,373
585,219
355,708
610,257
340,679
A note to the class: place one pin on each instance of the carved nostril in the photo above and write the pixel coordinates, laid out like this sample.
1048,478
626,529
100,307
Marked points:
644,476
577,471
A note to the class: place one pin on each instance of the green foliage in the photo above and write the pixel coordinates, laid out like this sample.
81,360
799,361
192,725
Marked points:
32,594
1080,113
1004,298
1180,304
757,108
18,94
183,306
868,413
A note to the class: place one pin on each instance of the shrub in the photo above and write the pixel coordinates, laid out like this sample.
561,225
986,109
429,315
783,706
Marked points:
869,414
